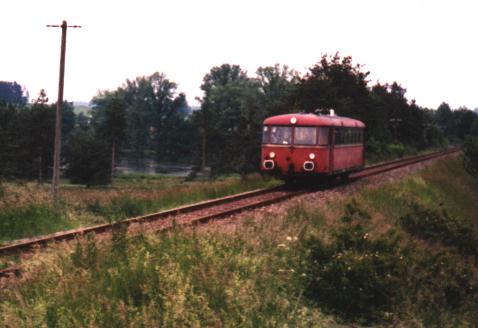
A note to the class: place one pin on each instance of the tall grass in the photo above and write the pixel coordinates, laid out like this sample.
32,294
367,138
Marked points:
26,210
179,280
366,259
140,201
30,221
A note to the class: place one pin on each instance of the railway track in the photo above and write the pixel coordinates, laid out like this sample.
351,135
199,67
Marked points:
200,212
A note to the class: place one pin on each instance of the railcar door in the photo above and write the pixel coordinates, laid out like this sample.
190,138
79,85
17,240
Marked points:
331,149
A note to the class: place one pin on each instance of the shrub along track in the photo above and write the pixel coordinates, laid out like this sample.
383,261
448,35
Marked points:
198,213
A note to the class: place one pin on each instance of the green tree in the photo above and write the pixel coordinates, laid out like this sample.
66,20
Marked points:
109,120
82,122
13,93
68,119
444,119
474,128
464,119
87,159
231,118
278,86
470,158
334,82
150,101
13,153
26,139
175,136
41,134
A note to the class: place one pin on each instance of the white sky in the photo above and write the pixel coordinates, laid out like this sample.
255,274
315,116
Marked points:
429,47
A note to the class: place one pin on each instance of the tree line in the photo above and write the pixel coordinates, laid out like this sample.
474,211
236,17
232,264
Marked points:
148,117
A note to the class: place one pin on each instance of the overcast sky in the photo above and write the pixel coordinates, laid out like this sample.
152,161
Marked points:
429,47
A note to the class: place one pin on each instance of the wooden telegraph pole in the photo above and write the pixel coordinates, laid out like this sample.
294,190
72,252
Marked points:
56,154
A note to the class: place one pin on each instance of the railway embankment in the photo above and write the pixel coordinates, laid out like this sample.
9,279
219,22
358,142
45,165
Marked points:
394,249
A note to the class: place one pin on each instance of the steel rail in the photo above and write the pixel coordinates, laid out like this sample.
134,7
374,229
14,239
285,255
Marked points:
388,166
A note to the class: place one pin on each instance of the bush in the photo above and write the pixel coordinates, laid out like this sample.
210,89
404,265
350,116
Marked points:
377,280
470,150
395,150
441,289
374,149
441,227
88,160
381,151
355,276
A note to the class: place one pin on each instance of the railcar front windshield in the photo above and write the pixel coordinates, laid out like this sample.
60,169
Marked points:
279,135
305,135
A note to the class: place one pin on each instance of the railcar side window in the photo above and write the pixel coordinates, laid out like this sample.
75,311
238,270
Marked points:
323,136
348,136
339,137
305,135
280,135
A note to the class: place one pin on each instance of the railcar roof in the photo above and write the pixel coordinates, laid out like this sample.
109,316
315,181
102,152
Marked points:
314,120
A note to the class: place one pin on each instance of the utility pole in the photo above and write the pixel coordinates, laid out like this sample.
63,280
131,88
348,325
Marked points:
57,150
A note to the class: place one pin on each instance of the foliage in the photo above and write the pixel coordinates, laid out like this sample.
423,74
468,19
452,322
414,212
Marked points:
370,279
12,93
109,116
147,117
470,151
88,160
230,117
334,82
27,136
233,108
356,276
278,87
377,151
30,221
109,122
436,226
42,126
455,124
151,103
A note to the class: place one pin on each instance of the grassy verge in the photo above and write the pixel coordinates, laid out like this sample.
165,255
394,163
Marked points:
26,210
31,220
365,259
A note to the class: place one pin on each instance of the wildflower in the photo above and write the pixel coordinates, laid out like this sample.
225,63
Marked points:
289,238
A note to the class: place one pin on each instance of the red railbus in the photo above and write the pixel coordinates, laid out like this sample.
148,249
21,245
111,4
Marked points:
295,145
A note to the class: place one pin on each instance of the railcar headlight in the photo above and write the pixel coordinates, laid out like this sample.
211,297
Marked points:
293,120
311,155
272,154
